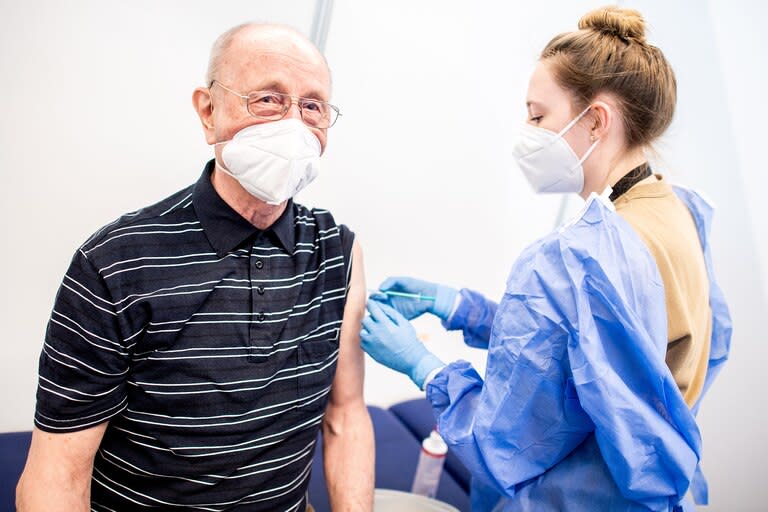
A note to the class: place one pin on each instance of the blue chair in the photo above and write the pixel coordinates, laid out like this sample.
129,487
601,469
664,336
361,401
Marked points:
13,454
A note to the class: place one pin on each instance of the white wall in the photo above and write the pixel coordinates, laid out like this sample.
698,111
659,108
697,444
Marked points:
97,121
742,45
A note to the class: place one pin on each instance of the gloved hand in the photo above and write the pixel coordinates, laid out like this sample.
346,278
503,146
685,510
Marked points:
391,340
440,302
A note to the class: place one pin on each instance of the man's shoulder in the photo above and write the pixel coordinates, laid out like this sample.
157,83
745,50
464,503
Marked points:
174,209
310,212
321,218
318,224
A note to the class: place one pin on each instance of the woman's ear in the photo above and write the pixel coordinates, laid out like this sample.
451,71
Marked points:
600,117
201,101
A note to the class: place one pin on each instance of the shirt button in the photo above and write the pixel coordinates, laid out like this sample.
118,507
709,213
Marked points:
260,289
260,317
259,264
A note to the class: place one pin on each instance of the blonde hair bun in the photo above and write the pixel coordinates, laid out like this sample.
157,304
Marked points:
616,21
608,54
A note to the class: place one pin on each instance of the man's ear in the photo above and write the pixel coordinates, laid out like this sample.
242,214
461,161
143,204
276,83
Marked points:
201,101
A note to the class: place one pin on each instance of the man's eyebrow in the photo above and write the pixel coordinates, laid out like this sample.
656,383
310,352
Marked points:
278,87
314,95
269,86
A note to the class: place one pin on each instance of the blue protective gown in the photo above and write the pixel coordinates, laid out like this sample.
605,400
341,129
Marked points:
578,410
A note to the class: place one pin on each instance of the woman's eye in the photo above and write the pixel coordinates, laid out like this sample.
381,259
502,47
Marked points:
536,119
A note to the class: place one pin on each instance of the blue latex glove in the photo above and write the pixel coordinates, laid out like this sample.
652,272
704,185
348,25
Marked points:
391,340
440,303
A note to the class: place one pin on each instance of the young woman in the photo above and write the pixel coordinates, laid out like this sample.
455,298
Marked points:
610,329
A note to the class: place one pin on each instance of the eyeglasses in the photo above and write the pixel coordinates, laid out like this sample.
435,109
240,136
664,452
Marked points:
272,106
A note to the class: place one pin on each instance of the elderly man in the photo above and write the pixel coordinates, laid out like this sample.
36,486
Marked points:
197,345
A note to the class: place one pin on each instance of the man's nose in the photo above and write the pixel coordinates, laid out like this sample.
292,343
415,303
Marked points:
293,110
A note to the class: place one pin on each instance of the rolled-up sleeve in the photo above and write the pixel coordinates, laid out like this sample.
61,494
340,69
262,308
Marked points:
84,361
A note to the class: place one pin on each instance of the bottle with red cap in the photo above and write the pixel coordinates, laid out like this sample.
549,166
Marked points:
430,466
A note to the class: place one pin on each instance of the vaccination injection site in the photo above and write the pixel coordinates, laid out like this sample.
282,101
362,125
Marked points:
343,256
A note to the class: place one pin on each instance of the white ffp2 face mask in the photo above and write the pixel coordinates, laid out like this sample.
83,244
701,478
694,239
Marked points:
547,160
272,161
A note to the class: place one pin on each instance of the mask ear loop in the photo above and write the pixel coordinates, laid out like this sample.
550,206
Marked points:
589,152
559,135
223,169
216,160
573,122
571,125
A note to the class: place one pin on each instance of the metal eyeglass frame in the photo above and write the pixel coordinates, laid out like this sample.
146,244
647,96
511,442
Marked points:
286,108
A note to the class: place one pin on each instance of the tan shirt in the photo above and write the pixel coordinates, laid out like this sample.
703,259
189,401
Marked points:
666,226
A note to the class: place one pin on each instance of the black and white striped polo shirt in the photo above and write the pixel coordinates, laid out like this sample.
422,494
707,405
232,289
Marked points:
209,345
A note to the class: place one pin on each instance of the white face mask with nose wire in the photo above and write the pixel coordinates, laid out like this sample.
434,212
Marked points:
272,161
548,161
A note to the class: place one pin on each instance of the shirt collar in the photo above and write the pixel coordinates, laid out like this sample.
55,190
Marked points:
225,228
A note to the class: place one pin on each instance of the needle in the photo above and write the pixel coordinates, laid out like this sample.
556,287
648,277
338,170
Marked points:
415,296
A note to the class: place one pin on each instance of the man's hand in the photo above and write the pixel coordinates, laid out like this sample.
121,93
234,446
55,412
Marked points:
57,476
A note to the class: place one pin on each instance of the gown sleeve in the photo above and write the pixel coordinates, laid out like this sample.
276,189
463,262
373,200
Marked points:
474,316
722,325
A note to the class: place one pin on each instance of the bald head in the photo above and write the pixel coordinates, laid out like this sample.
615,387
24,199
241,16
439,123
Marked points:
261,38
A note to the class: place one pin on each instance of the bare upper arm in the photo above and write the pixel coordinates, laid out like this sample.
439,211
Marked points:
348,382
73,447
58,469
347,431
